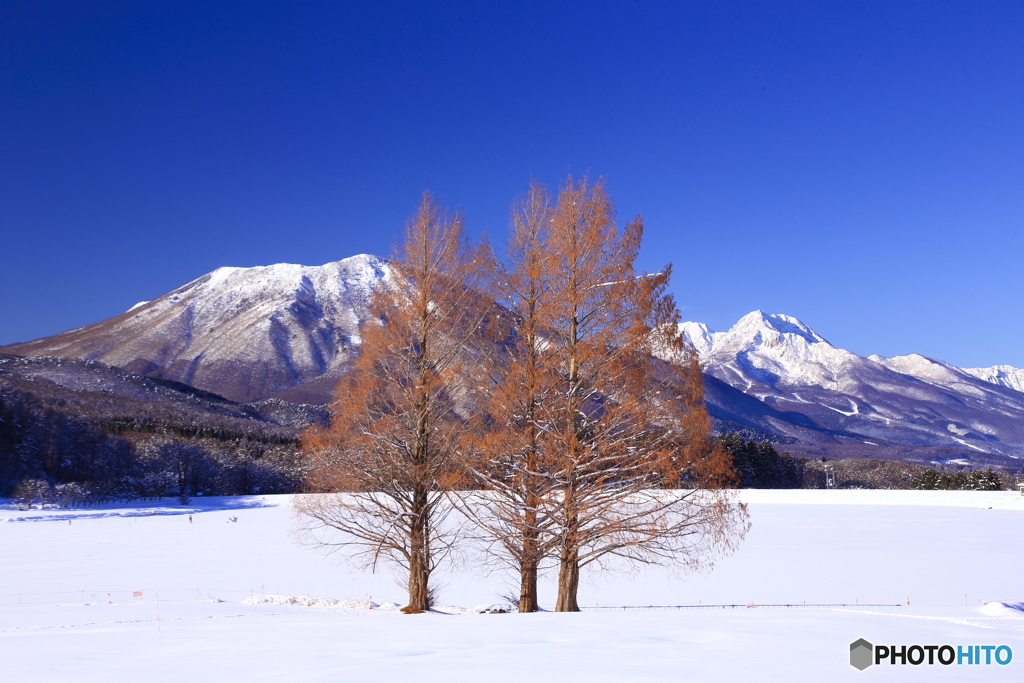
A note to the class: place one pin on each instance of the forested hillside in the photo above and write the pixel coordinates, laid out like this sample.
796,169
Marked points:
73,431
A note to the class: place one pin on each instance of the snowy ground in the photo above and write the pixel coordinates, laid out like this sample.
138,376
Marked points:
68,612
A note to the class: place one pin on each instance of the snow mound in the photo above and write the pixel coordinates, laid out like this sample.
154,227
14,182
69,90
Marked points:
486,608
1003,609
308,601
496,608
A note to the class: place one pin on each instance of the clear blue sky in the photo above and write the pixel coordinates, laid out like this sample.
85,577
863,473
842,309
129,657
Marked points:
858,165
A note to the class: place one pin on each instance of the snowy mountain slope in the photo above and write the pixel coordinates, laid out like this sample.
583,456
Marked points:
289,331
908,400
1003,375
700,336
244,333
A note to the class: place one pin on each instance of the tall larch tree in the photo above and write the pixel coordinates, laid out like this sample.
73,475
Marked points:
393,450
622,427
512,463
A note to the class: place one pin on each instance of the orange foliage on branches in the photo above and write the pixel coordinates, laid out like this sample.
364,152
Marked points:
587,428
573,406
393,447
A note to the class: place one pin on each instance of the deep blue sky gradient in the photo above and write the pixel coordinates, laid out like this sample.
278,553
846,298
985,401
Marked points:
858,165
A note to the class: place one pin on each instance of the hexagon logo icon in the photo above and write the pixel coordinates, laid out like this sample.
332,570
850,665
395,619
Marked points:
861,654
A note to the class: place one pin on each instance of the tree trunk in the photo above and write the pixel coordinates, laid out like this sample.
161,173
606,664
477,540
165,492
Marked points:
569,566
530,558
528,567
418,600
419,557
528,588
568,582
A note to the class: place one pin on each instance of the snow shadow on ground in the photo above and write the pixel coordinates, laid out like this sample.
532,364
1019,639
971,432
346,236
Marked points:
10,512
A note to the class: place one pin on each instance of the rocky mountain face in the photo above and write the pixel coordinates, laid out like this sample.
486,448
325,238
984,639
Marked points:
285,331
289,331
807,384
1003,375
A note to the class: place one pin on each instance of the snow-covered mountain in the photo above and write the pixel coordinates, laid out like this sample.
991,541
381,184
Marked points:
244,333
911,400
1003,375
289,331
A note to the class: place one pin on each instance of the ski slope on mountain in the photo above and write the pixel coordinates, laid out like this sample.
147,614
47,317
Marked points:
68,609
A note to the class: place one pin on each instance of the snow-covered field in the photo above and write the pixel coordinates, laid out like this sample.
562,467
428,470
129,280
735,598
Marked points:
68,611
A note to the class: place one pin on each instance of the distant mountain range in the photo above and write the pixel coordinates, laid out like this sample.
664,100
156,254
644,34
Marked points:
890,404
288,332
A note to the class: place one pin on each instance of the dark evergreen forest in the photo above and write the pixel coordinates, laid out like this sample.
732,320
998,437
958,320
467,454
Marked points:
760,466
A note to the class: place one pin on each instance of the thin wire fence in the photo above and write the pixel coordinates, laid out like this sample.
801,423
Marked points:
238,595
742,606
910,601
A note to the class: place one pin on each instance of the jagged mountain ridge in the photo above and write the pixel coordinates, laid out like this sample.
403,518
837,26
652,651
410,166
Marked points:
289,331
910,400
1003,375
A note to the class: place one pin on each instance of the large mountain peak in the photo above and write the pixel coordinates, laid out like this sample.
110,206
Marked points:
770,346
756,329
759,327
245,333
